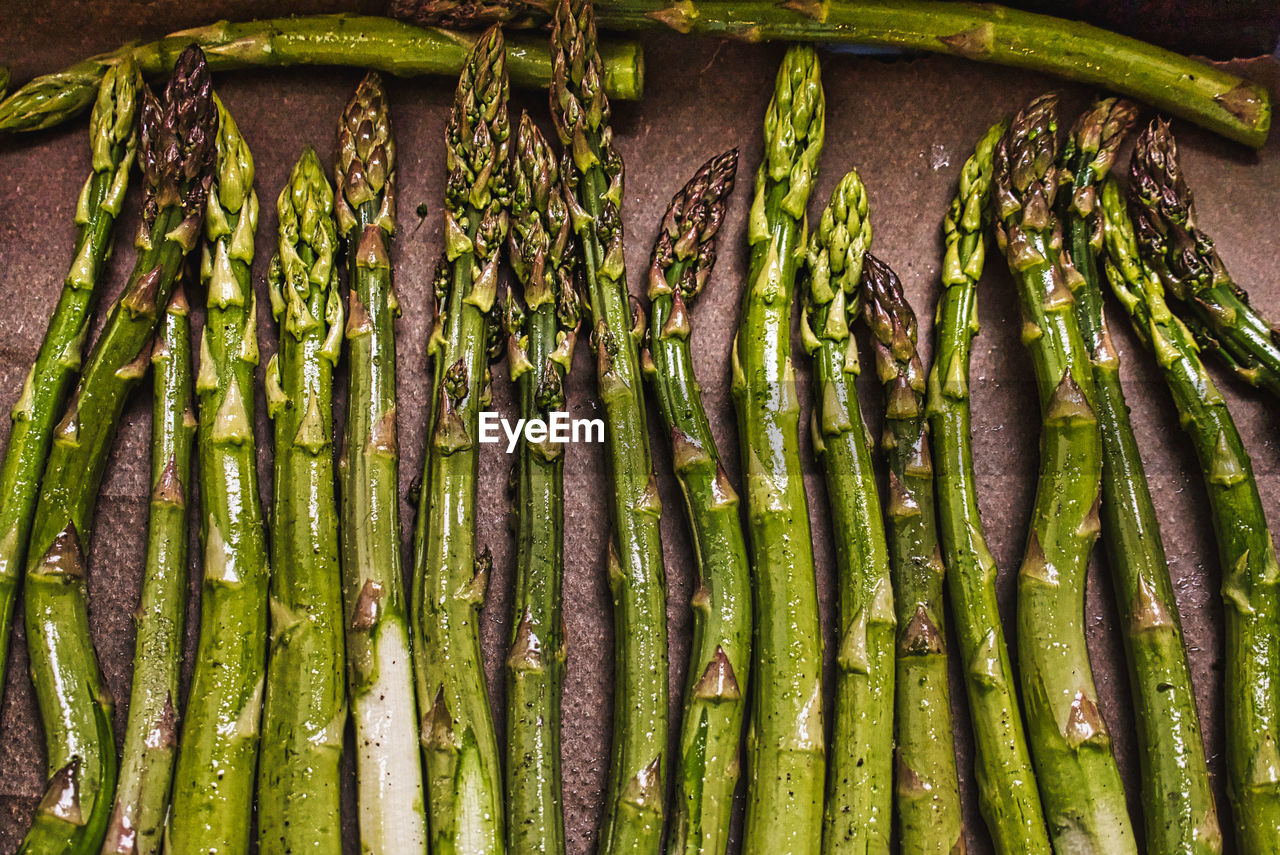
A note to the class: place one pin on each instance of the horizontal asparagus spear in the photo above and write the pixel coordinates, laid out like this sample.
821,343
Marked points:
1222,102
361,41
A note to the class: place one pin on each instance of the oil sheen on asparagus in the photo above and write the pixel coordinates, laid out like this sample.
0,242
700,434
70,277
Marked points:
785,741
635,800
1177,799
360,41
1246,549
541,325
1210,303
463,769
926,789
151,736
389,790
1007,793
113,142
858,814
217,755
1080,784
1238,109
176,144
304,713
720,657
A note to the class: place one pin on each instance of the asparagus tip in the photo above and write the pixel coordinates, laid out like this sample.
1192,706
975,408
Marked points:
692,224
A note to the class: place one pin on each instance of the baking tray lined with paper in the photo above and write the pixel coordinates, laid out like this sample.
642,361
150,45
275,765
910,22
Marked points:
906,124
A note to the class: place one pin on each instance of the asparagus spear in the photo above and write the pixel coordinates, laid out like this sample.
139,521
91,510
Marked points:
392,808
151,736
785,741
218,750
175,148
304,711
1007,794
859,803
1079,782
1245,545
361,41
1212,305
1236,108
1179,811
463,771
634,805
113,141
927,791
720,656
540,340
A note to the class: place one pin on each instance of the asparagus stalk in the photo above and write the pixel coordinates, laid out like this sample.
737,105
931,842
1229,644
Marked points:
463,770
113,141
1245,545
213,785
1007,794
720,656
151,736
392,808
304,710
635,802
540,340
1210,302
927,791
785,741
1079,782
1179,810
1224,103
360,41
175,148
859,802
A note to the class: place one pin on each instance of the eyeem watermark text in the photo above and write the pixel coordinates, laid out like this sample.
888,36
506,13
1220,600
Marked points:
558,427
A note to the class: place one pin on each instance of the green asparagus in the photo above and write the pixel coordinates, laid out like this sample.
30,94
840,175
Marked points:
720,656
1079,782
151,737
540,339
392,808
175,148
1212,305
304,712
362,41
927,791
1007,794
463,769
1207,95
1178,804
635,801
113,141
859,800
785,742
1250,575
213,784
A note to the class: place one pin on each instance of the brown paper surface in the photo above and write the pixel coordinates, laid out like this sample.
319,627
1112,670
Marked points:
907,125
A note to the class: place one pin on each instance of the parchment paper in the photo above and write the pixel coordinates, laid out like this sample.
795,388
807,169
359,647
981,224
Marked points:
907,125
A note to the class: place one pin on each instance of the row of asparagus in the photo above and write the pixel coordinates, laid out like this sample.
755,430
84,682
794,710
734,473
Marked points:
332,599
